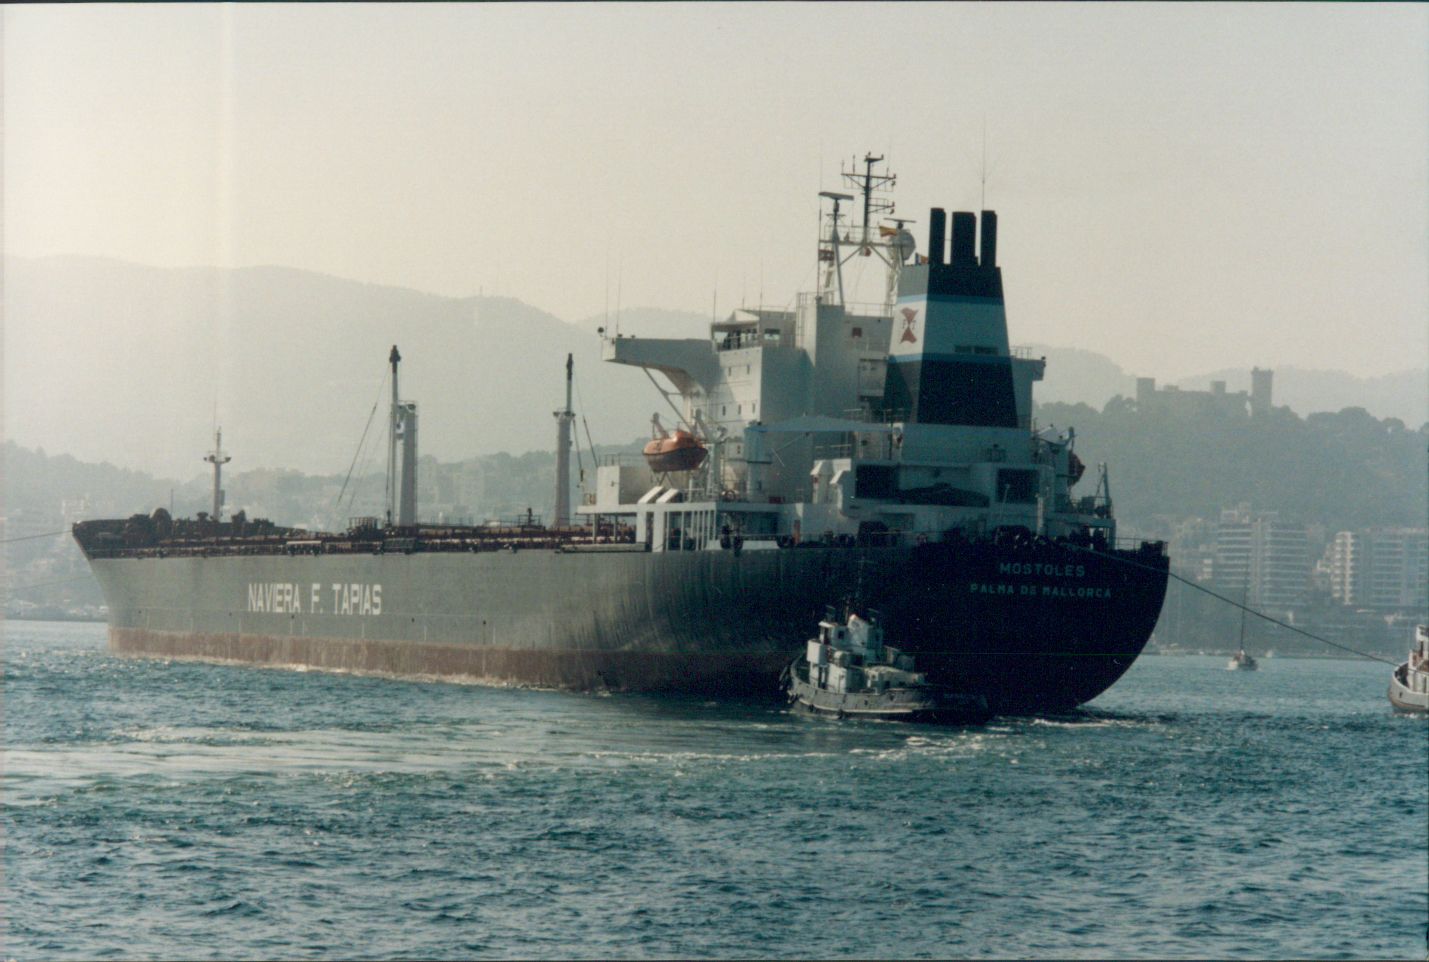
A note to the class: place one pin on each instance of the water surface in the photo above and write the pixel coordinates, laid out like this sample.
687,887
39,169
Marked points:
167,809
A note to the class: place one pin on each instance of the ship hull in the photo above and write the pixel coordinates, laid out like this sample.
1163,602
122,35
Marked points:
1403,697
1035,627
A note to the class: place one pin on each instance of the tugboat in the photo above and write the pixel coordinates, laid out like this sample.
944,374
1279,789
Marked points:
848,672
1409,685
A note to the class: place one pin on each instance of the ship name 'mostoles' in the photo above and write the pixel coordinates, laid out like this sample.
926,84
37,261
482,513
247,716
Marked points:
335,598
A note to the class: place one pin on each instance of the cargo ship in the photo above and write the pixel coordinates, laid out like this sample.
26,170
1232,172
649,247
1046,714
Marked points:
817,448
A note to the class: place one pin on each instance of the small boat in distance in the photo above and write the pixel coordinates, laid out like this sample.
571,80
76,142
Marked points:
847,671
1409,685
1242,660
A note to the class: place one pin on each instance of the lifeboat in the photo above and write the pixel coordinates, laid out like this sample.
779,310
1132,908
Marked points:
678,451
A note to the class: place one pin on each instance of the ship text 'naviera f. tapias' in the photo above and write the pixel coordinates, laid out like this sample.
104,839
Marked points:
886,450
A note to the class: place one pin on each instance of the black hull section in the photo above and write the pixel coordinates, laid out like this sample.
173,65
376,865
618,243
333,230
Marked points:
1036,627
1032,627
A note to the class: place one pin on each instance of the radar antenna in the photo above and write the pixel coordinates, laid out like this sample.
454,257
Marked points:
874,189
893,245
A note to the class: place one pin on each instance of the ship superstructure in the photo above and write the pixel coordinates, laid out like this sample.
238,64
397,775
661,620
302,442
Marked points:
908,419
889,445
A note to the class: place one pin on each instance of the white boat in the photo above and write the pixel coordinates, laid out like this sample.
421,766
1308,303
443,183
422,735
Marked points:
1409,685
1242,660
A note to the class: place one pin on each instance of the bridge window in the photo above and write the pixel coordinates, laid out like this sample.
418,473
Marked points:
1017,485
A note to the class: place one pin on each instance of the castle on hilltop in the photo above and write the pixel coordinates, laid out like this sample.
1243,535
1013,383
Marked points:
1217,402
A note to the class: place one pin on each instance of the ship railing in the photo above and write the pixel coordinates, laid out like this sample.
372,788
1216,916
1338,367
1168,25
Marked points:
867,414
622,459
829,451
1094,504
866,309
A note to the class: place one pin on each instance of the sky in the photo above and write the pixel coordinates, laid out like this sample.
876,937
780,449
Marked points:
1181,187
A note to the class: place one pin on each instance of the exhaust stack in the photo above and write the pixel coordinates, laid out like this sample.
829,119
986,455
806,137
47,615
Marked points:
989,238
964,229
937,221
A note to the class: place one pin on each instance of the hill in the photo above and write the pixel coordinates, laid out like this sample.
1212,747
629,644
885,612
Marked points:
117,362
1340,470
1077,376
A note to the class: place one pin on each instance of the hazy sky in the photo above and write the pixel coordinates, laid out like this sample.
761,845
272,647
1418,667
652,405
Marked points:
1181,187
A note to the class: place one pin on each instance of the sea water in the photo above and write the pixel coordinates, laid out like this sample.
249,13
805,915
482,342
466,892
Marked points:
170,809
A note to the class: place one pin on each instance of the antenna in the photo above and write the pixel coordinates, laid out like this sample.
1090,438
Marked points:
872,188
394,358
983,204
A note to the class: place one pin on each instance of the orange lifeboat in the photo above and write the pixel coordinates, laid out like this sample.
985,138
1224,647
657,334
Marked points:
679,451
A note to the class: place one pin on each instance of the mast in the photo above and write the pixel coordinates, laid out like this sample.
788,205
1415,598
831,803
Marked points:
394,359
218,459
833,264
564,418
1244,598
892,245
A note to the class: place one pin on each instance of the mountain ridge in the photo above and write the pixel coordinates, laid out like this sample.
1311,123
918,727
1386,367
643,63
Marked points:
133,364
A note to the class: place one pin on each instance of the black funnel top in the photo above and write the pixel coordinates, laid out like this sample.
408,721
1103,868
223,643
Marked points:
936,223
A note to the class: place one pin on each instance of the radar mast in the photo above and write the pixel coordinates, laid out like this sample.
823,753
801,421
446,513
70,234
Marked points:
893,245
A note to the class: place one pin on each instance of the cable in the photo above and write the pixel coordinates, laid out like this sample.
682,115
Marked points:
337,504
1242,607
31,537
679,418
46,584
580,402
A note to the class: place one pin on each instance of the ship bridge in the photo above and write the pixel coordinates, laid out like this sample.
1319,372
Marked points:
914,414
